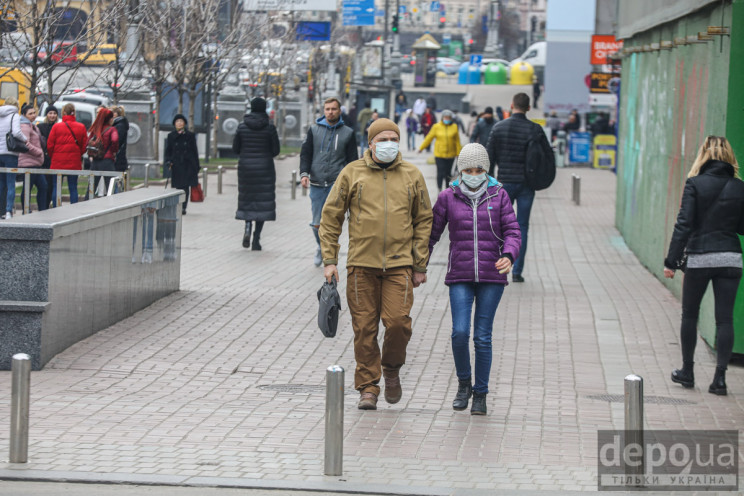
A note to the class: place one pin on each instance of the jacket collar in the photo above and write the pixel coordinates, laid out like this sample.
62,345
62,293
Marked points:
322,121
492,190
373,165
68,118
491,182
519,115
717,168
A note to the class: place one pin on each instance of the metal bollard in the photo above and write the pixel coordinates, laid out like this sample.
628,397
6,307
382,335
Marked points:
334,421
634,423
294,184
58,200
205,177
219,180
26,192
19,400
147,176
576,189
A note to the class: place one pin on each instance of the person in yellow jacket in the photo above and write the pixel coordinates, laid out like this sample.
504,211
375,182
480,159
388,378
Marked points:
446,147
390,217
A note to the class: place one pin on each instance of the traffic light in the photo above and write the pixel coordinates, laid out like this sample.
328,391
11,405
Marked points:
395,23
442,20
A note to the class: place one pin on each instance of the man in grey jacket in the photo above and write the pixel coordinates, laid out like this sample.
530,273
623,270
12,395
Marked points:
329,145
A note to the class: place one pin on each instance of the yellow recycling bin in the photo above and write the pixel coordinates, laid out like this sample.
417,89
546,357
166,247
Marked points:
521,73
605,147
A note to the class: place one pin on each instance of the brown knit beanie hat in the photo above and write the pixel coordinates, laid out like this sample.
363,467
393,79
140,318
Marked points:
381,125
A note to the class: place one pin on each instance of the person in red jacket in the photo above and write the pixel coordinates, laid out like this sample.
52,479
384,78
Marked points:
106,138
66,145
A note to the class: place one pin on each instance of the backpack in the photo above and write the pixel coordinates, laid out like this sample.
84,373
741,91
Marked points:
539,162
95,149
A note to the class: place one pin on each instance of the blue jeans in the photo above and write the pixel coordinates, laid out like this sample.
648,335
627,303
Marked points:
38,181
487,297
8,180
318,195
524,196
72,182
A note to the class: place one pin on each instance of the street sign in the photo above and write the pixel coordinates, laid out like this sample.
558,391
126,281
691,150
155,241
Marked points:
476,59
261,5
599,82
446,39
401,9
313,31
434,7
359,12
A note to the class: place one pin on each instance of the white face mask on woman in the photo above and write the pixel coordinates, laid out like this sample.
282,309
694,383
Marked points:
386,151
473,181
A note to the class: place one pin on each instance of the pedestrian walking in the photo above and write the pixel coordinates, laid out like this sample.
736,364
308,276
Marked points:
484,241
460,125
411,130
419,107
427,121
66,145
401,105
182,157
536,90
389,226
554,124
474,119
507,148
51,118
33,159
328,147
362,119
121,123
103,144
431,102
483,127
711,217
256,142
446,147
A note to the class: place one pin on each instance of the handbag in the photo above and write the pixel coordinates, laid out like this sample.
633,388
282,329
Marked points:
329,306
197,194
12,143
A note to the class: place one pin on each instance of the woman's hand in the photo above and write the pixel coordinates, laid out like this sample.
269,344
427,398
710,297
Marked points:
668,273
503,265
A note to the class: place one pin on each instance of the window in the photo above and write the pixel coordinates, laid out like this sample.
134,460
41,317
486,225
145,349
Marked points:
8,89
530,55
108,51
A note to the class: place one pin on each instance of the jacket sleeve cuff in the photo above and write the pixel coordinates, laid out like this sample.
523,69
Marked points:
419,269
508,255
304,174
330,261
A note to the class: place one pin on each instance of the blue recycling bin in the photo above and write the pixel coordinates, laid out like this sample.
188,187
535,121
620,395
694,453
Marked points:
468,74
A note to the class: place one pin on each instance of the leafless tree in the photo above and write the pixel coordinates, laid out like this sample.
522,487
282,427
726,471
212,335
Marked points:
51,35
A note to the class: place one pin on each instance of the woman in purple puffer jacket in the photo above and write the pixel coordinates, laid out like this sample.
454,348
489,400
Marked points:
484,242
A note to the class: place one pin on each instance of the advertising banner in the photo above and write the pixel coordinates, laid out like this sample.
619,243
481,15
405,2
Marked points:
265,5
602,46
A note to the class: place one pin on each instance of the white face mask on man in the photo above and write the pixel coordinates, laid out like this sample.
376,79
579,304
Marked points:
386,151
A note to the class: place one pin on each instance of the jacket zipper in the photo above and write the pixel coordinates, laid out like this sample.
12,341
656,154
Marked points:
449,265
359,204
475,238
384,236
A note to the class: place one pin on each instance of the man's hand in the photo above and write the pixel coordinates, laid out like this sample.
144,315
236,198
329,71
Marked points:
305,182
329,271
503,265
668,273
419,278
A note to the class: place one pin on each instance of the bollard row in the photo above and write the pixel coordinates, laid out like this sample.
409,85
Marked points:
334,421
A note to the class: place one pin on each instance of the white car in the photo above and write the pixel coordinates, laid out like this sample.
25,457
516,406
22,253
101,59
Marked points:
448,65
84,112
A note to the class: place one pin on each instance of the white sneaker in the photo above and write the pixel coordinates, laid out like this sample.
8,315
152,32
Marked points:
8,215
318,259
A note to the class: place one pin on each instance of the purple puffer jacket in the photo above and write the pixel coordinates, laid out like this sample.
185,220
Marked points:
497,234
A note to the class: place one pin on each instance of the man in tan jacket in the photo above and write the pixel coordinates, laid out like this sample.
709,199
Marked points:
389,225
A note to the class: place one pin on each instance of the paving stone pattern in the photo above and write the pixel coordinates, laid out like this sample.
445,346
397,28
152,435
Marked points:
191,389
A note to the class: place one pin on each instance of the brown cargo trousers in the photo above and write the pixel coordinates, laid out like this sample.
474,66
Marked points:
373,294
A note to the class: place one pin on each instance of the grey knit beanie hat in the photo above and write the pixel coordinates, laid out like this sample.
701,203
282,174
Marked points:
473,155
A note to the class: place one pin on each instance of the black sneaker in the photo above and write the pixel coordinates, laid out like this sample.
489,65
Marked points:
479,404
686,379
517,278
464,392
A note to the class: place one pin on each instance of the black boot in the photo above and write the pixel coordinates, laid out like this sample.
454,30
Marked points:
719,382
684,376
247,235
256,245
464,392
479,404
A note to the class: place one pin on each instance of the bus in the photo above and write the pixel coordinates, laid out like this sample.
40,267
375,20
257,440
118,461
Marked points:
14,83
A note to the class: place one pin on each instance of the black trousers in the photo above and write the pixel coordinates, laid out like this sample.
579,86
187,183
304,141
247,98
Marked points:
444,167
725,284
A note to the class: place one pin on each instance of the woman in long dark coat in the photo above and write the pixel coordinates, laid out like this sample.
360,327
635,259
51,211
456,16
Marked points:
182,157
257,143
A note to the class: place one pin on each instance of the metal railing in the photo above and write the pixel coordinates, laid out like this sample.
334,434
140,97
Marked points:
120,180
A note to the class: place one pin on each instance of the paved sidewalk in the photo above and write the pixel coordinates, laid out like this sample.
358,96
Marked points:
222,383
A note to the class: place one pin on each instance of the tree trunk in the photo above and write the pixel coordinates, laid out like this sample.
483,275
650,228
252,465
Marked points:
192,108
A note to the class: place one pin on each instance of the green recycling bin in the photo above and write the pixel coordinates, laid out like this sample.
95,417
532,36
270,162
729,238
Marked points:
496,73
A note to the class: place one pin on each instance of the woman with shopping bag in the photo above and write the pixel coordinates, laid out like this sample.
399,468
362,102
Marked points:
182,158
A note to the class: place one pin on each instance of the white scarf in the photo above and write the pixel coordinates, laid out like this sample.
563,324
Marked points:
474,195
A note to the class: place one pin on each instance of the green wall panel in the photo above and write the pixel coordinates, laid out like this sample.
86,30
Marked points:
670,101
